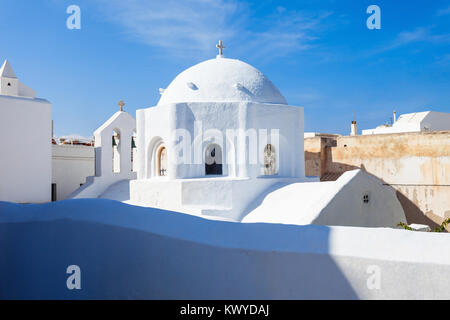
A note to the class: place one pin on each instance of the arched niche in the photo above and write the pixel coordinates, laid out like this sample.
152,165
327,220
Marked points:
162,161
270,160
157,158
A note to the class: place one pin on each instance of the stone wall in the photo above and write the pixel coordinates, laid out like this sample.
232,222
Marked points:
416,165
315,154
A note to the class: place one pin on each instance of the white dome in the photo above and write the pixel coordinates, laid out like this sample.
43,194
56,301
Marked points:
221,80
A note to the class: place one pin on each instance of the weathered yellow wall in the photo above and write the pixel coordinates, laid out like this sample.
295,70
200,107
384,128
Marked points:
417,165
313,151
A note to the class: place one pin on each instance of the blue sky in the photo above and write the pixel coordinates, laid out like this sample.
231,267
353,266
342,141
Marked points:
319,53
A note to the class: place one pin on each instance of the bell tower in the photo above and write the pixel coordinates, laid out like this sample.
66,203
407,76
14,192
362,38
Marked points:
9,84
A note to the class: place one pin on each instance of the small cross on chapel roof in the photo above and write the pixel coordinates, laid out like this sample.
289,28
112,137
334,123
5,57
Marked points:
220,46
121,105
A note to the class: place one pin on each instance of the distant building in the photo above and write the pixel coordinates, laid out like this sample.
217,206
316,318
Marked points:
319,134
34,167
414,122
414,164
75,140
72,162
26,131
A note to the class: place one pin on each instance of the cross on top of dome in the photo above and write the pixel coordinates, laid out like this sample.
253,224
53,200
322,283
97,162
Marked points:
220,46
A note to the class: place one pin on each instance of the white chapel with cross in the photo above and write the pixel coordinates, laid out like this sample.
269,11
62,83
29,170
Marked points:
200,105
223,142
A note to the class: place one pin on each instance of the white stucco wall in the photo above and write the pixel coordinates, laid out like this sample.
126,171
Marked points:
221,80
436,121
158,124
71,165
185,257
228,198
186,188
407,127
415,122
338,203
25,156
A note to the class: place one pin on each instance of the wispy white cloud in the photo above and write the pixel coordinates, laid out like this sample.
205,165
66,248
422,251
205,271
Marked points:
170,24
406,37
444,12
191,26
420,34
285,32
443,61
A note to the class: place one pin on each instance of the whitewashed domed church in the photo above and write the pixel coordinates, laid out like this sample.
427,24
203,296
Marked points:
223,142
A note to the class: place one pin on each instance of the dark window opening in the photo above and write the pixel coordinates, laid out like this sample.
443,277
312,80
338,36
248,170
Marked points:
366,198
213,161
54,196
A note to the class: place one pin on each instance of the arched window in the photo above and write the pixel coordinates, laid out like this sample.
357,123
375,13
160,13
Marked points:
270,160
162,164
116,151
213,160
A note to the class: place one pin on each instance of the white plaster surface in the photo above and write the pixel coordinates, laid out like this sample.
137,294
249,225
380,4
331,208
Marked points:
26,131
25,158
415,122
157,125
10,84
228,198
129,252
221,80
71,165
332,203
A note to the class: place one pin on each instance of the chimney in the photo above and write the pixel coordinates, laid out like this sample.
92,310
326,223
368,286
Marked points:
354,127
395,116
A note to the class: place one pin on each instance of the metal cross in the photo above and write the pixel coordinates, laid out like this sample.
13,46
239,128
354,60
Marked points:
220,46
121,105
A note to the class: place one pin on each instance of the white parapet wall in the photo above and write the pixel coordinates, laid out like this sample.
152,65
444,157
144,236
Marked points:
129,252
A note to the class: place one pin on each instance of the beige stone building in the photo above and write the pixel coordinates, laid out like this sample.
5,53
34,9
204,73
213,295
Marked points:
416,165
